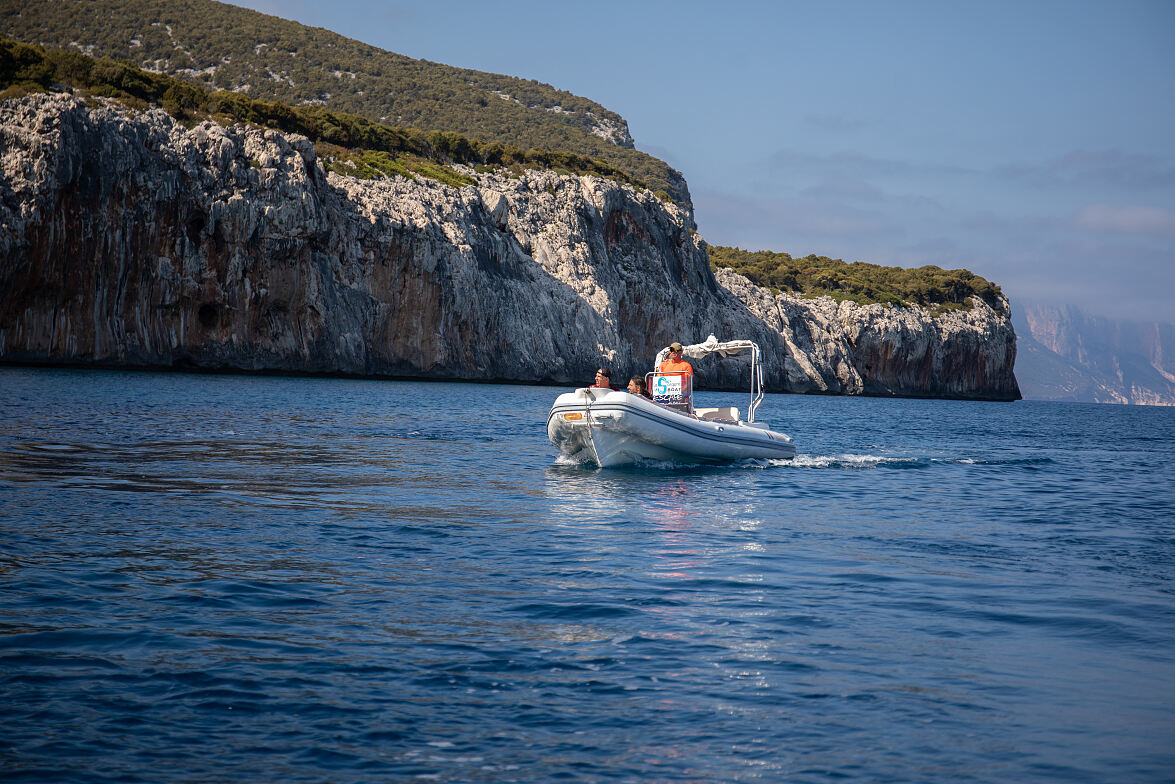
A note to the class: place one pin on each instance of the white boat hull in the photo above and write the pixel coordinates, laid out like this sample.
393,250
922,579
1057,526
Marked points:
611,428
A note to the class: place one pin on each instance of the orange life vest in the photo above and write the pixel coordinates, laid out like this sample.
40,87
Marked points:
680,366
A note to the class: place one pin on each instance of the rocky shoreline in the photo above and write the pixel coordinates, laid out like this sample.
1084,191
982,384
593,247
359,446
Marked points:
128,240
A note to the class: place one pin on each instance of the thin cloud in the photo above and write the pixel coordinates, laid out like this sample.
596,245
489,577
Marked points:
834,123
1095,169
792,225
1017,227
853,165
1078,169
1129,220
844,191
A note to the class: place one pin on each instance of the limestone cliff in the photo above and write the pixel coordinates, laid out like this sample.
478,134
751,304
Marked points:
128,240
1067,354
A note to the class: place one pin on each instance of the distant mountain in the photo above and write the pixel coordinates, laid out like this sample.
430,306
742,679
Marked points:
1065,354
224,47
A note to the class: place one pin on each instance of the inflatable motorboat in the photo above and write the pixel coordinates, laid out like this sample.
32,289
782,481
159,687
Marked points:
608,427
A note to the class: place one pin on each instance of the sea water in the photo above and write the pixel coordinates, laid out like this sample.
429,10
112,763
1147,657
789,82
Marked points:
230,578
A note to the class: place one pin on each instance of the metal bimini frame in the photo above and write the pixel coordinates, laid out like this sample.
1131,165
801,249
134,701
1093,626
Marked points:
756,381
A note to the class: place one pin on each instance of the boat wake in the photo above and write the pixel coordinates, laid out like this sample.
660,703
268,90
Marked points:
844,461
861,462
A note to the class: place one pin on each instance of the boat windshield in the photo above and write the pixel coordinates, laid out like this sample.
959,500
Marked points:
674,389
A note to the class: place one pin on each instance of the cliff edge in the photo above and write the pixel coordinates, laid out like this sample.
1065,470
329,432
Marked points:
129,240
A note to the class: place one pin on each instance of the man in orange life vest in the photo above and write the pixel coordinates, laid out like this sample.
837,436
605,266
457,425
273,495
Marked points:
675,364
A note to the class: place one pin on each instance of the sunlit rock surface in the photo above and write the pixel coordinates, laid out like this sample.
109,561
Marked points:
128,240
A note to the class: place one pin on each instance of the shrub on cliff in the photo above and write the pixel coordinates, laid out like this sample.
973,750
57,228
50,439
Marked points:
816,276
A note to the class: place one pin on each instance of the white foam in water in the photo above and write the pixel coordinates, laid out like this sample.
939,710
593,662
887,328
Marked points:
582,458
848,461
841,461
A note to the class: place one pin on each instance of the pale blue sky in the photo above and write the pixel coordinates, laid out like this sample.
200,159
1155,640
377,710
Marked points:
1031,142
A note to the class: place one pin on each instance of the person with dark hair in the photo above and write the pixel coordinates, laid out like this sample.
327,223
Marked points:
636,386
603,379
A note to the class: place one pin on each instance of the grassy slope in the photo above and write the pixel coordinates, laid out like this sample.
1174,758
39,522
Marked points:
224,47
349,144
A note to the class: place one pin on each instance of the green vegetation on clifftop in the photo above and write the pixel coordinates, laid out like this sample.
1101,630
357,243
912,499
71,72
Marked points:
817,276
221,47
348,143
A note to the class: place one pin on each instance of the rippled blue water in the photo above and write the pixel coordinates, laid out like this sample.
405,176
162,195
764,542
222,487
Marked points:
272,579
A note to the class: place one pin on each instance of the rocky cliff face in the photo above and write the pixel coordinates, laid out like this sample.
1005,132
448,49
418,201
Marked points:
854,349
1066,354
129,240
